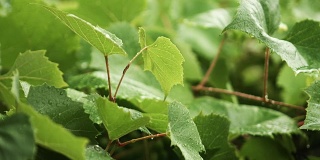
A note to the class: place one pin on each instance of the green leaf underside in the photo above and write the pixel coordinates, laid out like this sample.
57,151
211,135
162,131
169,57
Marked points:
130,87
164,60
260,18
118,120
106,42
256,16
305,36
217,18
183,132
156,110
97,153
16,135
158,122
36,69
62,110
214,130
54,136
312,121
286,80
129,36
246,119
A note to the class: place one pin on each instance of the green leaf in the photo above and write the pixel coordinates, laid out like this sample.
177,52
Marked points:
129,36
256,17
6,96
312,121
164,60
270,149
214,130
246,119
16,134
216,18
191,67
89,103
118,120
183,132
106,42
305,36
158,122
54,136
203,44
61,109
261,18
142,38
150,105
36,69
105,12
292,85
130,87
156,110
30,27
92,80
97,153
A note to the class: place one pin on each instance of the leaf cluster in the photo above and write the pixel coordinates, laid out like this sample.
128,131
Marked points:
121,79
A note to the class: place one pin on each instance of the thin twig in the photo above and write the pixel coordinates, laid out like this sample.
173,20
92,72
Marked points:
213,63
249,96
109,79
125,70
141,138
113,149
265,78
108,146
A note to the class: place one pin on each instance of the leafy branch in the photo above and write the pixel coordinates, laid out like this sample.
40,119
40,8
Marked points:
264,98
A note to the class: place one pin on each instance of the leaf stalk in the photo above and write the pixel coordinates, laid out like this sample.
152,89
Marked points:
109,79
213,63
265,78
125,70
141,138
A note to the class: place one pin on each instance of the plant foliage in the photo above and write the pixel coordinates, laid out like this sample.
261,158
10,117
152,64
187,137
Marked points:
148,79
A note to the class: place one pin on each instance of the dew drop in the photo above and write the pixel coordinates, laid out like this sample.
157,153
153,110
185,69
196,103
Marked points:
97,147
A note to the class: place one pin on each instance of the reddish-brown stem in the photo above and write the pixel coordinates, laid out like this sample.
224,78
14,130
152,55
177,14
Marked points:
125,70
249,96
109,79
213,63
141,138
265,78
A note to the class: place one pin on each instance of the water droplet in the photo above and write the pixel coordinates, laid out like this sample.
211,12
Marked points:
50,102
97,147
308,145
